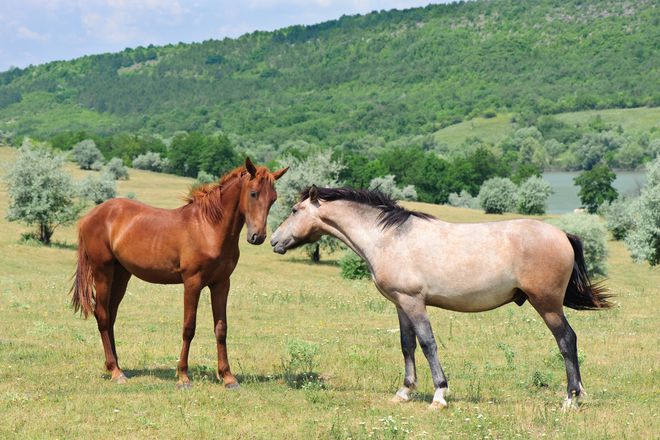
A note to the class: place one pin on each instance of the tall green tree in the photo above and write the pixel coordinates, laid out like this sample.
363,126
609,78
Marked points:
596,187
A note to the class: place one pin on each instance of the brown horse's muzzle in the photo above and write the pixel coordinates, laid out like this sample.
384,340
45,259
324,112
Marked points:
255,237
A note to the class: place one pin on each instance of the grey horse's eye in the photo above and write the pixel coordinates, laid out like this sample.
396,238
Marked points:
294,210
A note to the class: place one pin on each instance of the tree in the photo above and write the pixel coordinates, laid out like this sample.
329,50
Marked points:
319,170
41,193
387,185
596,187
533,196
497,195
87,155
150,161
644,239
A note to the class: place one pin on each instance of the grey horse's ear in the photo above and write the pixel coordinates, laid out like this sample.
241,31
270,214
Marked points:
314,194
249,166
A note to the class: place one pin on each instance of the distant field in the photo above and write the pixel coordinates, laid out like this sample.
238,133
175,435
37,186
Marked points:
54,384
495,129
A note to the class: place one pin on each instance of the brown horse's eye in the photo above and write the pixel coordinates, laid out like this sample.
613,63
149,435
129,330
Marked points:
253,194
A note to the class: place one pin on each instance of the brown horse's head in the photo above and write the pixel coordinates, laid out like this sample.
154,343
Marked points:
257,196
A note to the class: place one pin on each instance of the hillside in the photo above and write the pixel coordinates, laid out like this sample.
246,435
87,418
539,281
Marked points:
387,74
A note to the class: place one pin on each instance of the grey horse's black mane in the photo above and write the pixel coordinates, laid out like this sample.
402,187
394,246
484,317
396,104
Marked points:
391,213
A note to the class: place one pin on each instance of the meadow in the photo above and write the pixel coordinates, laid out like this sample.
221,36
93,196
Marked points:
505,375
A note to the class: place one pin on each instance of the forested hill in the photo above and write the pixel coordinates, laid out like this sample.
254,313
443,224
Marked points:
389,74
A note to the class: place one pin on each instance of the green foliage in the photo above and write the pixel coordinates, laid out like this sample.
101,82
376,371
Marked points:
353,267
41,193
98,189
533,196
464,200
596,187
203,178
190,153
86,155
116,169
644,238
619,216
387,185
592,232
300,362
498,195
150,161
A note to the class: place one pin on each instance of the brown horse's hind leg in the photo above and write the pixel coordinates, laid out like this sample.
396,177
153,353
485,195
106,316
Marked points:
219,293
103,277
119,283
191,290
567,342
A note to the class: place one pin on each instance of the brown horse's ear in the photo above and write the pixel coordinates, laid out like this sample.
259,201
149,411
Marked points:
249,166
279,173
314,194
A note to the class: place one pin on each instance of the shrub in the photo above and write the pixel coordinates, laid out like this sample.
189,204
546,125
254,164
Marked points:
150,161
203,178
497,195
300,362
463,200
533,196
619,216
85,154
387,185
592,232
100,189
353,267
644,239
41,193
116,169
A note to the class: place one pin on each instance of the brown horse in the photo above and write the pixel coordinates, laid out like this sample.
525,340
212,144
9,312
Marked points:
196,244
417,260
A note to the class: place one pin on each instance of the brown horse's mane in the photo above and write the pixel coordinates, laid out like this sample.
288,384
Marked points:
391,213
208,196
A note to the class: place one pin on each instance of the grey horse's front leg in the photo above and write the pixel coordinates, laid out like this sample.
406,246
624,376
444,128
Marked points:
408,346
424,334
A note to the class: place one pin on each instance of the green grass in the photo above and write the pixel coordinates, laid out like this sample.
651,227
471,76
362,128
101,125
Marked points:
504,374
497,128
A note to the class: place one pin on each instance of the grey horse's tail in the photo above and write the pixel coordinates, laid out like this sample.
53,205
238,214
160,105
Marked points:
581,294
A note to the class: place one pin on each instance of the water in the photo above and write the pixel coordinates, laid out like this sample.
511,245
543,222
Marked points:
565,197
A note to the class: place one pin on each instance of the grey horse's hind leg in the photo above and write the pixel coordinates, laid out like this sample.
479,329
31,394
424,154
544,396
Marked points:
567,342
424,334
408,346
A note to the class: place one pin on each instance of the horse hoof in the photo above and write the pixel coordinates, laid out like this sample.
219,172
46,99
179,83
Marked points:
570,405
438,405
398,399
120,380
232,386
401,396
183,385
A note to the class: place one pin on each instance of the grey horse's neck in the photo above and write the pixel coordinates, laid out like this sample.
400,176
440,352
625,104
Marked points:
354,224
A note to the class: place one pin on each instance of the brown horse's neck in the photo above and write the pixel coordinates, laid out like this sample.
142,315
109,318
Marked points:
221,209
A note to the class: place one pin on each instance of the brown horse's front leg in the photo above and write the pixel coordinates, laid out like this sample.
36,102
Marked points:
219,293
190,300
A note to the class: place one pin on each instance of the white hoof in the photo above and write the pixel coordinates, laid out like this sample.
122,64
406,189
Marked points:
439,401
401,396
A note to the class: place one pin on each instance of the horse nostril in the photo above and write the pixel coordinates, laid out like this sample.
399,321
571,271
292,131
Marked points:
253,238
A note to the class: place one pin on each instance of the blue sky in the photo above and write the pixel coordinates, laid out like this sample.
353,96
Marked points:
38,31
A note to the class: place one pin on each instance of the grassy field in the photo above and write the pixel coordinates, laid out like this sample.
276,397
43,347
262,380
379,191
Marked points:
495,129
505,378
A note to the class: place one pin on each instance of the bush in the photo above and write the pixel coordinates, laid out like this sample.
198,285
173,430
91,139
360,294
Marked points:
644,239
86,155
592,232
116,169
203,178
533,196
464,200
619,216
41,193
497,195
387,185
150,161
100,189
353,267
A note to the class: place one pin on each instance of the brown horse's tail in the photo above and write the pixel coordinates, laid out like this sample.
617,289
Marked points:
581,294
82,290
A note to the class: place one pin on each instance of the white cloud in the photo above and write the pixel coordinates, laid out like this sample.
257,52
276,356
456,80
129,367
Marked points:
28,34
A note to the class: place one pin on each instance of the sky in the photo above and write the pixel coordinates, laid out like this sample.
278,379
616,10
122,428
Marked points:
38,31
